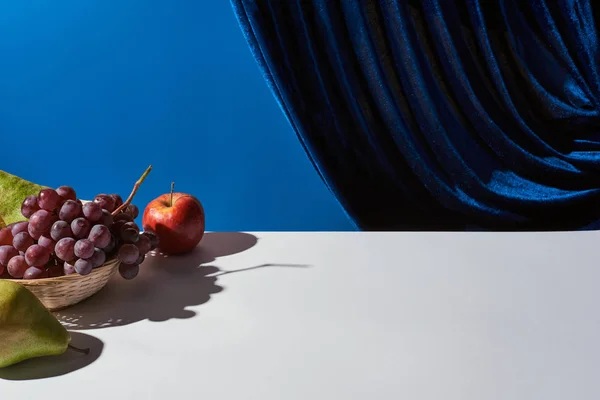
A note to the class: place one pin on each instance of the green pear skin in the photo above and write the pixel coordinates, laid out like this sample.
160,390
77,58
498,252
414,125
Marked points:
13,191
27,328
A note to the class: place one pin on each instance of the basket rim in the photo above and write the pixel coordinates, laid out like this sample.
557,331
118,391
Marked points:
59,279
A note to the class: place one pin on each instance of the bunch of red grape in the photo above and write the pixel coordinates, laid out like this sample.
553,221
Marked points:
64,236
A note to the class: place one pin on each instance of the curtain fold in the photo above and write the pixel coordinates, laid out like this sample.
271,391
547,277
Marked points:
441,115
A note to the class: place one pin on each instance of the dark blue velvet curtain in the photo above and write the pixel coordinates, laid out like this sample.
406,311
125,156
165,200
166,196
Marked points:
441,115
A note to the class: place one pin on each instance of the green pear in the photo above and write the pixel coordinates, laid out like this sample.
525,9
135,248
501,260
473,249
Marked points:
27,328
13,191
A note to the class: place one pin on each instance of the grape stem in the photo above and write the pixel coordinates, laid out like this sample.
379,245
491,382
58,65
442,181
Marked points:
133,192
78,350
172,188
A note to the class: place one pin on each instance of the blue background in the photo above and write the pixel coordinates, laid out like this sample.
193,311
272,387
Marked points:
92,92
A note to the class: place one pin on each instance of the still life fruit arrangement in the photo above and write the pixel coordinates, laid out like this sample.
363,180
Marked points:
57,250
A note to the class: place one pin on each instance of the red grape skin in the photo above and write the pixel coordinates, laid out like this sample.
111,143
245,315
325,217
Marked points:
83,267
70,210
17,267
19,227
37,256
122,217
100,236
133,210
92,211
84,248
80,227
105,202
29,206
129,271
6,236
68,268
98,258
107,218
33,232
67,193
6,253
60,229
22,241
48,199
35,273
144,244
41,221
47,243
128,253
118,200
65,249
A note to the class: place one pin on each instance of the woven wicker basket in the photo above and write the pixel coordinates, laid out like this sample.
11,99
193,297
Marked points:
64,291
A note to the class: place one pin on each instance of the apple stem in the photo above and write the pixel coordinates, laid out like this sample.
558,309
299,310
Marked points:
78,350
172,188
133,192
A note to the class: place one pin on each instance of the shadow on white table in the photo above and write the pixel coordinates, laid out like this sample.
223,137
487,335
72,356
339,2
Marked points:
164,288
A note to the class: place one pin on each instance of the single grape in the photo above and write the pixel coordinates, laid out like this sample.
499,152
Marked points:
55,271
122,217
107,218
92,211
67,193
84,248
22,241
19,227
118,200
129,271
37,255
100,236
60,229
132,210
41,221
17,267
128,253
143,244
98,258
80,227
65,249
34,233
83,267
70,210
105,202
6,253
48,199
29,206
35,273
153,239
68,268
47,242
6,236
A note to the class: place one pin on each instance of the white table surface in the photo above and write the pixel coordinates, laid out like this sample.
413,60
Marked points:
356,316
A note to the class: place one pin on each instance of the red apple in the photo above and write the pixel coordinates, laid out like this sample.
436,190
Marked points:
179,224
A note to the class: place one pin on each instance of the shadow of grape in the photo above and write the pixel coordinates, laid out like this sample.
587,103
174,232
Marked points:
164,288
51,366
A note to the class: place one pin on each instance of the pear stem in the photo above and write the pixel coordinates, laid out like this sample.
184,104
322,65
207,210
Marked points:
78,350
133,192
172,188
